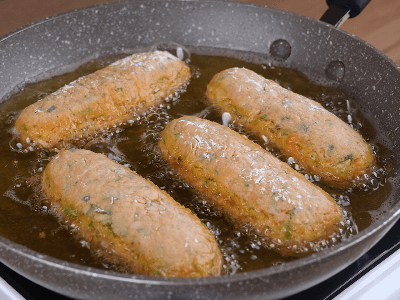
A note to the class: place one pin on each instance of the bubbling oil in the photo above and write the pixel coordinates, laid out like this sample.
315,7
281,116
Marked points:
27,219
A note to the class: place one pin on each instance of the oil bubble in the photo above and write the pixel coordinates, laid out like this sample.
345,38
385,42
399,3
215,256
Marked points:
211,113
226,118
174,48
17,146
107,148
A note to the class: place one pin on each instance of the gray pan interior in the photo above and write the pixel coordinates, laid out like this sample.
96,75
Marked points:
60,43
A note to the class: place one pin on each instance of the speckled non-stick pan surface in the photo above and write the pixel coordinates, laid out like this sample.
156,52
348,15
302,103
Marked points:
56,44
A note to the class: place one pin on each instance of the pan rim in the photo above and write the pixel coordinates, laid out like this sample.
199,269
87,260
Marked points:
70,267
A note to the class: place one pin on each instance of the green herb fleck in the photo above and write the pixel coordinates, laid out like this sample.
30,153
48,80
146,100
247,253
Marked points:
162,79
330,148
263,117
304,127
285,118
346,158
220,78
208,180
91,224
98,209
144,231
108,225
70,212
205,156
288,226
349,156
53,107
119,89
177,135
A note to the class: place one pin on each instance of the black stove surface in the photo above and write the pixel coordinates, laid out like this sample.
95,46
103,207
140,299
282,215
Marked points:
326,290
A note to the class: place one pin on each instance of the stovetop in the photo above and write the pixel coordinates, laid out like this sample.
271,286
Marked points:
374,272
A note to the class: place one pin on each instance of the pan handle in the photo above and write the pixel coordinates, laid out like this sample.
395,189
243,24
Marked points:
340,10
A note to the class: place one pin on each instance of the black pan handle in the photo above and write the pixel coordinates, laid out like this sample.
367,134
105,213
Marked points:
340,10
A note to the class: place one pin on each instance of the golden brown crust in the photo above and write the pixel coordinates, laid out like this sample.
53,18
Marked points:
250,185
301,128
102,99
128,219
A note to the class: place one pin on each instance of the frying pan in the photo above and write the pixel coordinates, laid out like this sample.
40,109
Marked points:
57,44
